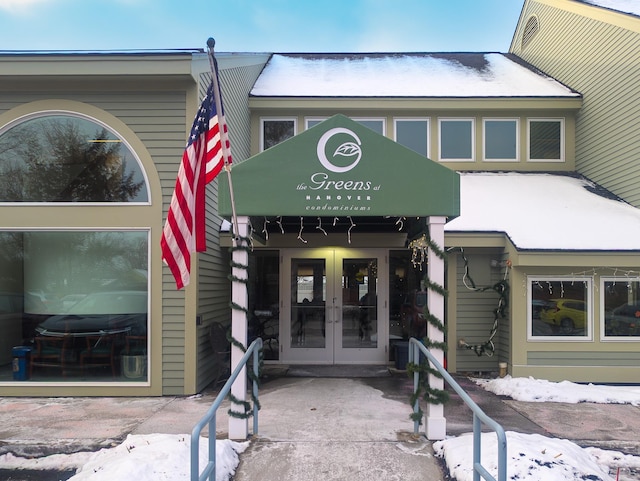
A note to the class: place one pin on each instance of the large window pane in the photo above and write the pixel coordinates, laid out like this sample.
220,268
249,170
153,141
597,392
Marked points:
407,299
560,308
413,134
500,140
621,302
545,140
456,139
264,298
77,302
275,131
65,158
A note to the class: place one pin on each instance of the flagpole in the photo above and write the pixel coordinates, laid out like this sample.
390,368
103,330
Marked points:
225,150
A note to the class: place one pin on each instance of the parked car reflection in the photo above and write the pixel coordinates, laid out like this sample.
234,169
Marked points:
100,313
568,315
624,320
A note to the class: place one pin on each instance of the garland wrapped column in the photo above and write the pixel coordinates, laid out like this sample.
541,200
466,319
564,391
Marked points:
239,425
435,428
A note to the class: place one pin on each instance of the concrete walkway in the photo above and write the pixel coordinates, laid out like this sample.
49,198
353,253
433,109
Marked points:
335,429
313,427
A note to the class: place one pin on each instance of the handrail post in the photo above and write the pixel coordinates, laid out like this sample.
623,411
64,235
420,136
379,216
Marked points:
210,417
414,356
256,372
479,417
477,446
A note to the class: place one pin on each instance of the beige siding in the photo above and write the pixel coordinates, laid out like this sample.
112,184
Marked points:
598,54
157,118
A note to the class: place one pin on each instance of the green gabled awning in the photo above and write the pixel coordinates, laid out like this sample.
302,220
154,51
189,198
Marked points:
340,168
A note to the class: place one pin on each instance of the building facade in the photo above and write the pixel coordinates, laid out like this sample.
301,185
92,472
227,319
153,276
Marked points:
346,168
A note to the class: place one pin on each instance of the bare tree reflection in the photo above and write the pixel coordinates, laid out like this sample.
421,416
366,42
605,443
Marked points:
64,159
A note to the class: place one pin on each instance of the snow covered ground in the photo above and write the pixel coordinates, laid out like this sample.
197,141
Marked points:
532,457
165,457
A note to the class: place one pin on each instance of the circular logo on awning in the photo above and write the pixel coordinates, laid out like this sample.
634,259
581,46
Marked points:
346,149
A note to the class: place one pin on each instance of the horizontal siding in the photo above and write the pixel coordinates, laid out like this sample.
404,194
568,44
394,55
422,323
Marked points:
602,62
583,358
214,287
475,313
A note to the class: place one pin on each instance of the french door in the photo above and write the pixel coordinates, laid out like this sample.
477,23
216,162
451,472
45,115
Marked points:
332,306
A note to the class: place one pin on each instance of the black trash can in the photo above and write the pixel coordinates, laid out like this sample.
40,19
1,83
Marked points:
21,359
402,355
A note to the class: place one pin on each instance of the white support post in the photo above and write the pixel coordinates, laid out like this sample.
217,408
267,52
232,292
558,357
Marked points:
436,424
239,428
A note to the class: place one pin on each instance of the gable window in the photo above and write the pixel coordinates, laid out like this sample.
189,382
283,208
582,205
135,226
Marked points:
530,29
559,308
275,131
546,139
413,134
620,308
500,140
67,158
457,140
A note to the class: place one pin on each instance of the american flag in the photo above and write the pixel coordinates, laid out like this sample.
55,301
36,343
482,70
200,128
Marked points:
203,158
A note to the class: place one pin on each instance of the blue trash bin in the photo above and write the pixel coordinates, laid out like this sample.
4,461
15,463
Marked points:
21,358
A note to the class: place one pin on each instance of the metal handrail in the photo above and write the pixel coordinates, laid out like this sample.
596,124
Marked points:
209,472
479,417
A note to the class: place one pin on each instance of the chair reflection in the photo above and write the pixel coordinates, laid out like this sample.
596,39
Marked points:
50,351
98,353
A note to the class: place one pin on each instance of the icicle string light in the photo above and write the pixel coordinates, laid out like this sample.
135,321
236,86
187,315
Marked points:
319,226
300,232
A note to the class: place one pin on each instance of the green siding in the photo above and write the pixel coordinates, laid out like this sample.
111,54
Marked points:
214,288
475,311
602,62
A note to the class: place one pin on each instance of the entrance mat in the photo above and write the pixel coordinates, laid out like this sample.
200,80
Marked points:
338,370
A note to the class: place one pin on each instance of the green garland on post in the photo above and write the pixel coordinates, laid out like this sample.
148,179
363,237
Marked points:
429,394
246,412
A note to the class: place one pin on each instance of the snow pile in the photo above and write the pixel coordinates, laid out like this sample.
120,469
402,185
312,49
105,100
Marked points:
530,457
539,390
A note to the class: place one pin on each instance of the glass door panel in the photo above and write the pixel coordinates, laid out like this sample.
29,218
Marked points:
359,303
308,303
333,302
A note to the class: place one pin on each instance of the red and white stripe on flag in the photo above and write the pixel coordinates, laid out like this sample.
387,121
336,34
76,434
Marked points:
202,160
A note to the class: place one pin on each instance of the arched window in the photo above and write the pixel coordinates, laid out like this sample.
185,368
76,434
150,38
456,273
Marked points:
65,157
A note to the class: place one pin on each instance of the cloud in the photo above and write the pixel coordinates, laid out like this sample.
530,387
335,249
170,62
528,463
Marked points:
20,6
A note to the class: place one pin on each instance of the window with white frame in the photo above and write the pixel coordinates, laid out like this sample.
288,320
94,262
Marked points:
559,308
500,140
620,308
377,125
312,122
456,140
276,130
413,134
77,300
546,140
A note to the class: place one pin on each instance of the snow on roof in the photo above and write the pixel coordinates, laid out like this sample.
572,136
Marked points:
545,212
624,6
403,75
